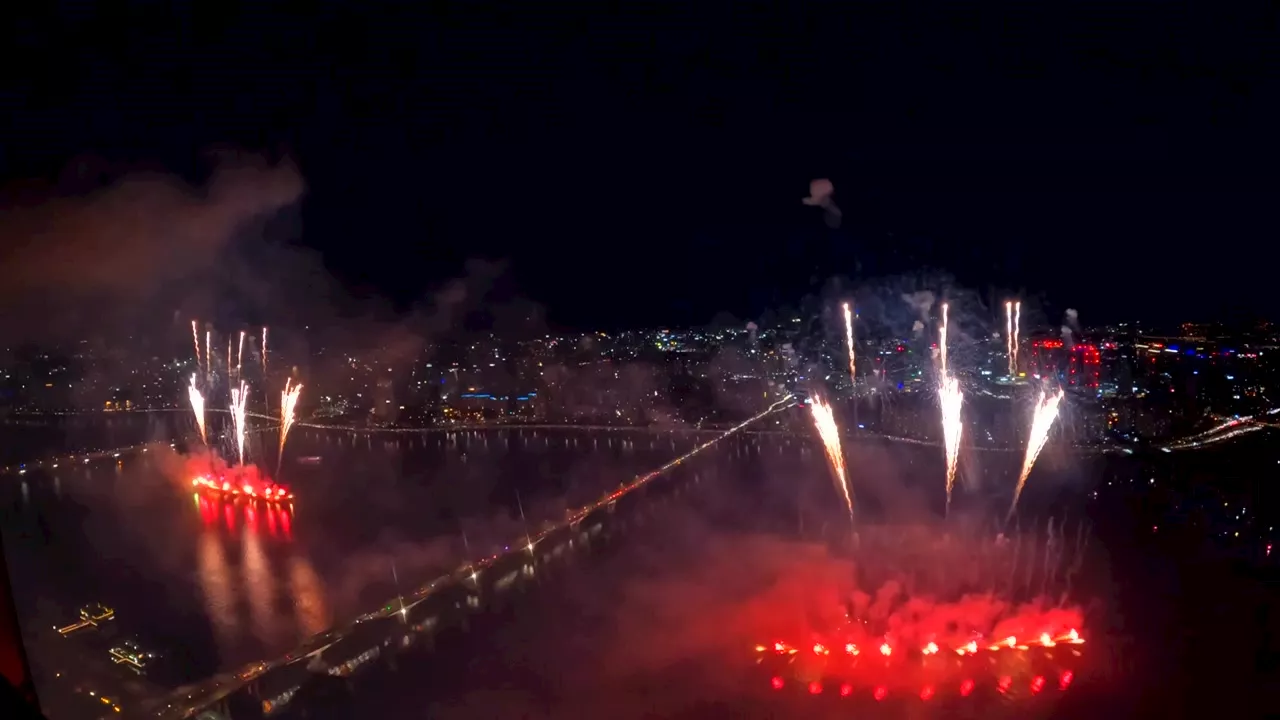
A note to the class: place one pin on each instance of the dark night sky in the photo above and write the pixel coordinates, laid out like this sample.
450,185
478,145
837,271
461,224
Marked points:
647,166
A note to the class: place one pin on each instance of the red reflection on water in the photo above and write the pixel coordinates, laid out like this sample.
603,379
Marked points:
1037,683
927,692
815,688
776,683
1064,682
881,692
278,520
966,687
846,690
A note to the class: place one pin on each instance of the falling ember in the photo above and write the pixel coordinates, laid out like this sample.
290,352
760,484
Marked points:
239,401
195,339
848,338
950,399
1046,412
825,421
288,401
240,353
197,405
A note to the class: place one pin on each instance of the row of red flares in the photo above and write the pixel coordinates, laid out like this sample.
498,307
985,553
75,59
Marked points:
880,692
1071,637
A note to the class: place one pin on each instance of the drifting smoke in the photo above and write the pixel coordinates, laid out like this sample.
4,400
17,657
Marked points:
921,303
820,195
120,247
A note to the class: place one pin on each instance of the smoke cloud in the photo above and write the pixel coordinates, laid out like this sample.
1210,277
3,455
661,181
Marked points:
120,245
820,195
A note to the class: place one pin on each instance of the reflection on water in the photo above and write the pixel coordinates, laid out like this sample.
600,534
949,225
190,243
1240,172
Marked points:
259,583
310,607
216,586
252,535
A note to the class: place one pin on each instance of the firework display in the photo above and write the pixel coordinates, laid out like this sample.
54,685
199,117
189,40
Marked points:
943,609
210,474
950,399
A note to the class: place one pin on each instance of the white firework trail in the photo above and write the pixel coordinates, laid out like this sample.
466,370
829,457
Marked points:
197,406
1008,334
239,403
288,403
848,338
195,338
1041,422
950,400
824,420
1017,328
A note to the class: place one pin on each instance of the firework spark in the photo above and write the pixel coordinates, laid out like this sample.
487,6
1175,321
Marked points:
288,402
1017,328
825,421
239,402
950,399
1046,412
1008,334
240,353
848,338
208,358
264,349
197,405
195,338
228,357
942,340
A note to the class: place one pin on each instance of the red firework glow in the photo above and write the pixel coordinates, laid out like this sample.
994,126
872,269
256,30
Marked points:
910,614
211,476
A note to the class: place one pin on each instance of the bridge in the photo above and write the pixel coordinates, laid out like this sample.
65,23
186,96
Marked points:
264,688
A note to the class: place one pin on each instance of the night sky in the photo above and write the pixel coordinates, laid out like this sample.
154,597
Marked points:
646,167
